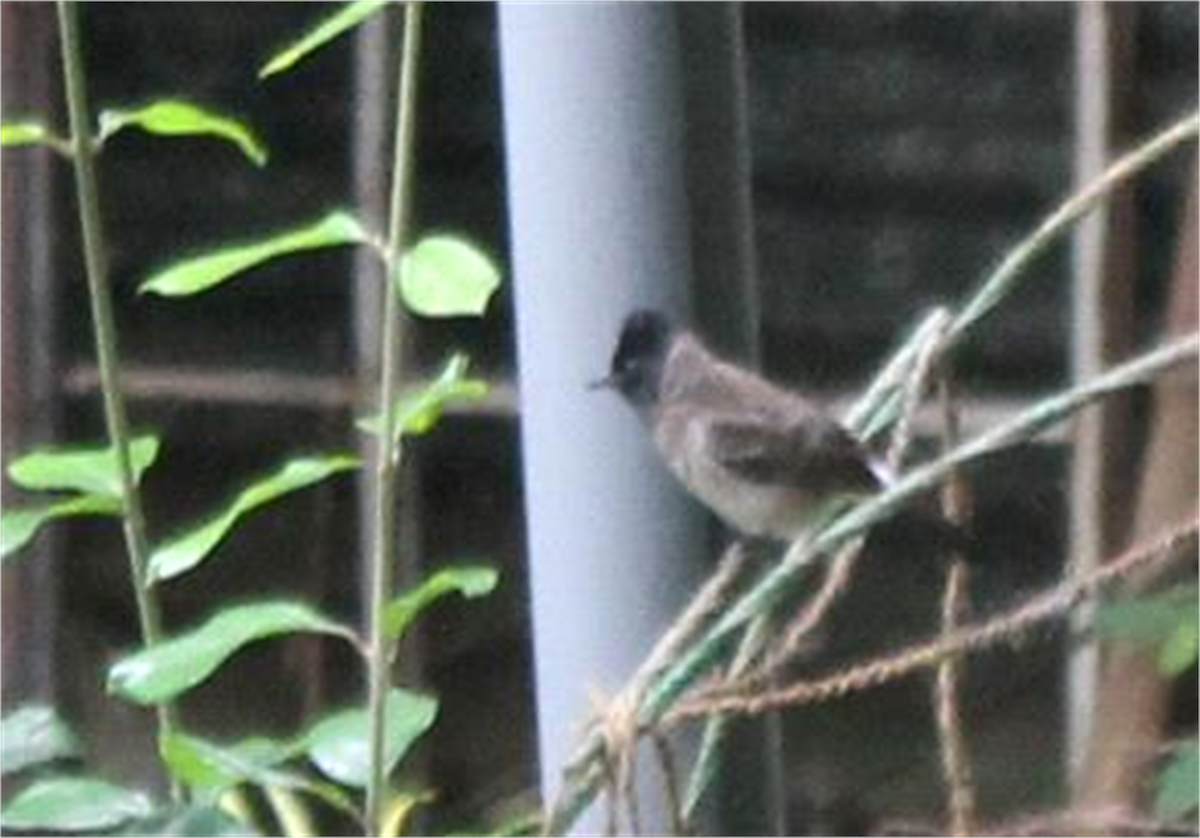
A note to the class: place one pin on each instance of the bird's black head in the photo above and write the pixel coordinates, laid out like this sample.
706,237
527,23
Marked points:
637,363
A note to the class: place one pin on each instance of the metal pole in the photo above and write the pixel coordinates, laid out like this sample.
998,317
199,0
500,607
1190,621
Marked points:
598,206
628,171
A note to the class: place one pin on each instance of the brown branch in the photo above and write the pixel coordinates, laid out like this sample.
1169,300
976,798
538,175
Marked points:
835,583
1053,604
669,767
613,731
952,742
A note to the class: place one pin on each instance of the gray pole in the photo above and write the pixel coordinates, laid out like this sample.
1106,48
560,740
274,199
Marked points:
608,108
598,204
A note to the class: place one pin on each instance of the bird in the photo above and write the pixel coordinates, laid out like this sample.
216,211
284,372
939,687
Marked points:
768,461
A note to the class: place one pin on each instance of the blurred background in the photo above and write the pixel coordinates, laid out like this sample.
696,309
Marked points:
895,149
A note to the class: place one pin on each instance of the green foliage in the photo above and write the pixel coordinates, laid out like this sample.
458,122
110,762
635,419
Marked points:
191,547
339,745
469,581
190,822
200,273
345,19
177,118
32,736
85,469
211,769
1168,621
14,134
1177,792
525,823
30,132
417,413
441,276
446,276
19,526
73,804
170,668
89,471
529,823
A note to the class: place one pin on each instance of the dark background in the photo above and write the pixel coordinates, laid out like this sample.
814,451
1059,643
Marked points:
897,150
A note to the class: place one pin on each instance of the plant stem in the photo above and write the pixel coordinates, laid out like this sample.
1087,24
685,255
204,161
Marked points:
1004,278
388,448
105,335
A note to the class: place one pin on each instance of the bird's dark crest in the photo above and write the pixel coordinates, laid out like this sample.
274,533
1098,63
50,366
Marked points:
641,353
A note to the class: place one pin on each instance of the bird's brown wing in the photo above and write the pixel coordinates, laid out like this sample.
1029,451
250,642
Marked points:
812,454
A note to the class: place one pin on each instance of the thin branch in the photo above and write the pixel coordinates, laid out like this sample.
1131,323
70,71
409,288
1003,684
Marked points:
104,331
388,446
1001,281
1004,628
836,582
952,742
764,595
668,765
615,725
871,413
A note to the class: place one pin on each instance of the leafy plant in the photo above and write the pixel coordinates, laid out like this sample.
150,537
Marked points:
1170,622
1175,790
74,804
33,736
1167,620
175,117
353,750
86,478
185,551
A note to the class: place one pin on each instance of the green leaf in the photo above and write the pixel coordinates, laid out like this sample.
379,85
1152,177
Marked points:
30,132
73,804
1180,650
340,747
19,526
205,766
212,768
418,412
444,276
1178,788
88,469
160,673
177,118
522,824
34,735
201,273
527,823
348,17
469,581
1148,618
188,549
1169,620
191,822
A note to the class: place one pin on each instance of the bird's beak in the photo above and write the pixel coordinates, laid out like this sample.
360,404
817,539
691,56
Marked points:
606,383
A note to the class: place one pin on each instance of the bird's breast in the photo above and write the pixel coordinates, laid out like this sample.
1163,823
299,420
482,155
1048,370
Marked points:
755,509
